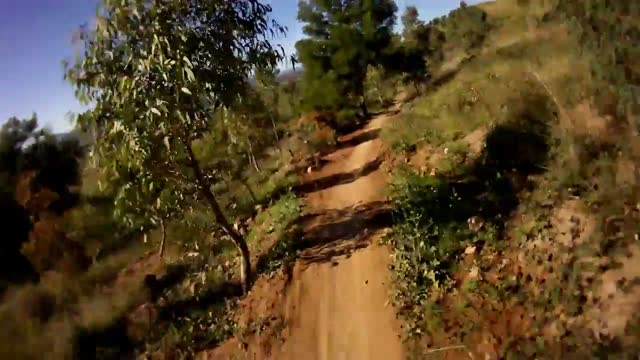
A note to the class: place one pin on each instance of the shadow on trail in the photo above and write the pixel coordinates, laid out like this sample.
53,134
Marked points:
322,236
357,139
318,160
338,179
216,295
344,142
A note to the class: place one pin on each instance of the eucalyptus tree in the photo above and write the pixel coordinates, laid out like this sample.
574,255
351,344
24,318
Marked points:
155,72
141,209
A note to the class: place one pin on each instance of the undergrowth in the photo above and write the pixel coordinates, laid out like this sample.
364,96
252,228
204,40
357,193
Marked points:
510,253
440,218
279,225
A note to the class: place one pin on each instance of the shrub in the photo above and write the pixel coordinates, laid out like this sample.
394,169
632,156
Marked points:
467,26
433,213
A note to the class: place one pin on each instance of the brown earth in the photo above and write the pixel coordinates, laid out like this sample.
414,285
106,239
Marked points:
334,304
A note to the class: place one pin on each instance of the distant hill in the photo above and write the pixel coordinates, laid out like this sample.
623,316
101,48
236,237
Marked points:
289,75
83,139
284,76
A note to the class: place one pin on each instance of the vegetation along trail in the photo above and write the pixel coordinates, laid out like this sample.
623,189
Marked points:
458,187
335,303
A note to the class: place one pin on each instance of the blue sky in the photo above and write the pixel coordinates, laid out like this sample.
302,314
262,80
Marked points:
35,36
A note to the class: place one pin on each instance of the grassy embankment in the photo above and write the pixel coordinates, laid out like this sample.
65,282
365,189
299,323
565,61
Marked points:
517,209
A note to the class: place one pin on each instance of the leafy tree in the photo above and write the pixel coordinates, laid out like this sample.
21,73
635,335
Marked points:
227,151
157,73
410,21
37,173
416,57
142,211
13,136
292,94
467,26
16,225
268,90
377,85
344,37
56,161
48,247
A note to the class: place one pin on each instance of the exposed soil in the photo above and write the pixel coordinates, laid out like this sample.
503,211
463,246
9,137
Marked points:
334,303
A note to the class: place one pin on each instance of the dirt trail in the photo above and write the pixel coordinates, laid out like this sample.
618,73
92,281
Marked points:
335,301
340,309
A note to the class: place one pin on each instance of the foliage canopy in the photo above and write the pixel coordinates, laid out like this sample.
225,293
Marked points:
157,73
344,37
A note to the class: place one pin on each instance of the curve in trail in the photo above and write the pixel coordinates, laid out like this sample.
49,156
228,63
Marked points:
339,309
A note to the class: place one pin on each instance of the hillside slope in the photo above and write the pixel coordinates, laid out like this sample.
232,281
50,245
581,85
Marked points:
518,208
493,213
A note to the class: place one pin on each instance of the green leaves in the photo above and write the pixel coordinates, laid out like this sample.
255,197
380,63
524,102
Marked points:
468,26
187,61
154,74
337,52
189,73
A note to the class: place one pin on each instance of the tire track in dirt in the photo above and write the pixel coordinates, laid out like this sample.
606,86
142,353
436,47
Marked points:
340,309
334,303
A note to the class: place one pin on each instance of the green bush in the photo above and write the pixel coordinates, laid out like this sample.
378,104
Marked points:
346,120
433,224
467,26
278,223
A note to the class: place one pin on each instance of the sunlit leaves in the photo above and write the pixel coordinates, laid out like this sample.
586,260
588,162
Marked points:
155,72
344,38
189,73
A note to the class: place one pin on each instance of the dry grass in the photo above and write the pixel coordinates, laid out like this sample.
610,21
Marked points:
548,286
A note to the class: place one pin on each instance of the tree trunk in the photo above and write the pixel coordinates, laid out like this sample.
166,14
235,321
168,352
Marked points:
363,108
275,129
226,183
380,98
363,103
251,193
279,145
253,158
164,238
221,219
